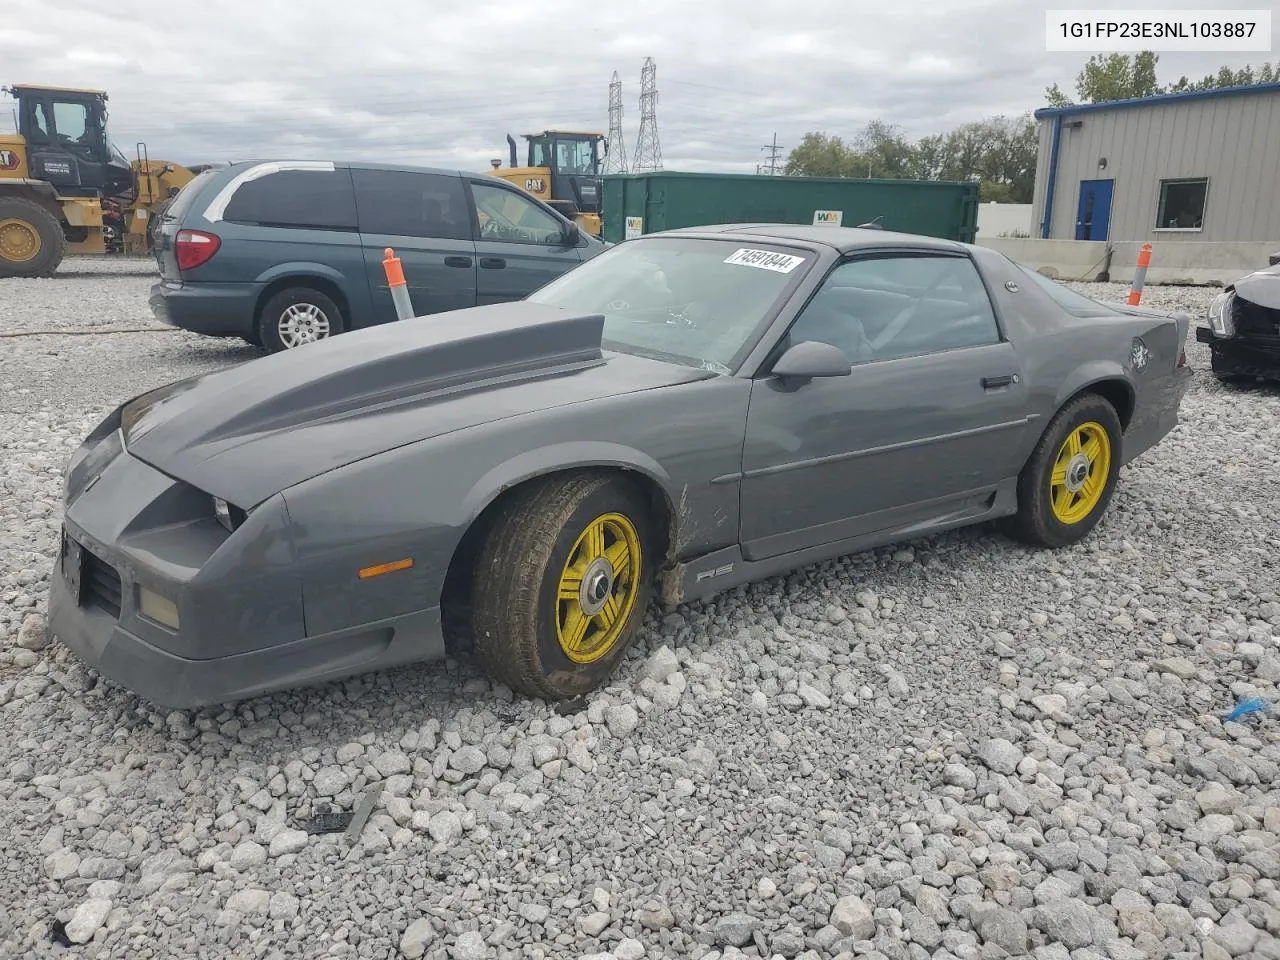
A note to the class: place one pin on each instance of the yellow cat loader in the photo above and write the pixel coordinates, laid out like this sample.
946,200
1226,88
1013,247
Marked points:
563,170
66,188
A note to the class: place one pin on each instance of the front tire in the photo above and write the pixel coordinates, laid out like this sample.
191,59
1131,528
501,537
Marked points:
1067,484
32,243
297,316
561,584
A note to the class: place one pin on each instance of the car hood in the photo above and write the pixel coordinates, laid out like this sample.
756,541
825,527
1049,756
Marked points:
1261,287
250,431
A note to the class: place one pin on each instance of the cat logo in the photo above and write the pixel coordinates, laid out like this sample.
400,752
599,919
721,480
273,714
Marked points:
534,184
8,160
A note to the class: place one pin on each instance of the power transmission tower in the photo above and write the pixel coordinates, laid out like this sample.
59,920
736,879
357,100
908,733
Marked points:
615,161
648,155
771,168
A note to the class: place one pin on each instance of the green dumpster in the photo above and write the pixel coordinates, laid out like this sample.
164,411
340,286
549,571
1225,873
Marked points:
639,203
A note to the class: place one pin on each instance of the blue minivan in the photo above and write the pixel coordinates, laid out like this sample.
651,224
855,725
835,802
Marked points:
282,253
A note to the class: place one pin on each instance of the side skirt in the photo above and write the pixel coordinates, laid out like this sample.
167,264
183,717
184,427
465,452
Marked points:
711,573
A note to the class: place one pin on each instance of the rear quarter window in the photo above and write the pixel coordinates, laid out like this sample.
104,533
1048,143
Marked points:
182,201
312,199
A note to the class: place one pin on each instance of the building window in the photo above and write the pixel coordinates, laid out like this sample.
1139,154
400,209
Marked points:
1182,204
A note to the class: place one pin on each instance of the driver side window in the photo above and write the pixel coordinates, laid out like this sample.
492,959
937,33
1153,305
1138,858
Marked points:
506,215
884,308
70,119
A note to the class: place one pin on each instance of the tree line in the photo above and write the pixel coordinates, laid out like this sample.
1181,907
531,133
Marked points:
999,152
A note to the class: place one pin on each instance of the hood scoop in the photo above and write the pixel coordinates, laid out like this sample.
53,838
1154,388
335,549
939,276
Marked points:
370,370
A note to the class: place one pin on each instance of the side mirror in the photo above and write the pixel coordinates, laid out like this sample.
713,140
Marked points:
572,233
812,358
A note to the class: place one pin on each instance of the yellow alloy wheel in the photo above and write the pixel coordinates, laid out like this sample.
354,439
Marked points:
1080,472
19,240
598,588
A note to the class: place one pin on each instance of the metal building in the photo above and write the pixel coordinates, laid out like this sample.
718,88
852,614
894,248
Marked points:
1199,166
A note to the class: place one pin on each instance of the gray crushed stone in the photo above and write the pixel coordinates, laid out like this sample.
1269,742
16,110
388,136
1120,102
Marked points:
955,748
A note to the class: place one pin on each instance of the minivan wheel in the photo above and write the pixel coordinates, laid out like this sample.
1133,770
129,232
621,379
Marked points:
296,316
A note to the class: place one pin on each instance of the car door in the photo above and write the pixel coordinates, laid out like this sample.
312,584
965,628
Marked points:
519,244
923,429
424,218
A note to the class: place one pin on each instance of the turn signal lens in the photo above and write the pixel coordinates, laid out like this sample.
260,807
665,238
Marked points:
379,569
155,607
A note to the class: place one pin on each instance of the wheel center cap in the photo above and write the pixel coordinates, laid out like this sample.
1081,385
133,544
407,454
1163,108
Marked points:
597,585
1077,472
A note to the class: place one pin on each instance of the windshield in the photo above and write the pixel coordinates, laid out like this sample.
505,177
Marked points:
575,156
696,302
1074,303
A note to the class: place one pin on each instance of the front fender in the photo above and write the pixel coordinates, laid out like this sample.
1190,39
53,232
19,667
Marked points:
556,458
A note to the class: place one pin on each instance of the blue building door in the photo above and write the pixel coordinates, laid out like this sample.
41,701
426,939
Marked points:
1094,215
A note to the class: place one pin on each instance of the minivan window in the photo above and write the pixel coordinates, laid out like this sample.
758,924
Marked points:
315,199
181,203
407,204
506,215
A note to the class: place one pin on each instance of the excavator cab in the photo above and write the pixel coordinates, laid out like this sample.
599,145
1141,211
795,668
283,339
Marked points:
575,161
67,142
563,169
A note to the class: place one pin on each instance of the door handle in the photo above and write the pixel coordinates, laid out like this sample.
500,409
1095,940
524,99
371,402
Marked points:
492,263
457,261
990,383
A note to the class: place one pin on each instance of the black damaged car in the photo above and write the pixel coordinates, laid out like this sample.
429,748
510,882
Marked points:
1243,331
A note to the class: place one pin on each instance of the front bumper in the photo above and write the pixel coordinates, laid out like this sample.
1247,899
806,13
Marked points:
90,628
1241,356
238,597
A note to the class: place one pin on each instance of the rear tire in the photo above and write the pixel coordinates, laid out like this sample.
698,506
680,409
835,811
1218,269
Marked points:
561,584
32,243
296,316
1067,483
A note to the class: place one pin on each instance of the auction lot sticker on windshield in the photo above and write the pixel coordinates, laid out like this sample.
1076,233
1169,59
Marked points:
764,259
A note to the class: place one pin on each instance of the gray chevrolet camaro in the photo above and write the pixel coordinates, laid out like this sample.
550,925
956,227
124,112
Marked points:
684,413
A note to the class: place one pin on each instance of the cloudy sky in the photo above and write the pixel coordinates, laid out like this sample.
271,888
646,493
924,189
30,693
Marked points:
423,81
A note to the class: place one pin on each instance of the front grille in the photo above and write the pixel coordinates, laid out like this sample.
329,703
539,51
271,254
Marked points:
100,584
1253,321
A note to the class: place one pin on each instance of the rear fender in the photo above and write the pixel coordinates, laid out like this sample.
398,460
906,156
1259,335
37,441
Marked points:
1088,374
302,269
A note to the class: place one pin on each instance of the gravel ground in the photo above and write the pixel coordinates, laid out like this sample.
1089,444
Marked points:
954,748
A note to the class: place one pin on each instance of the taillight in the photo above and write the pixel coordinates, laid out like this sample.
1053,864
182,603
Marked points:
1182,358
195,247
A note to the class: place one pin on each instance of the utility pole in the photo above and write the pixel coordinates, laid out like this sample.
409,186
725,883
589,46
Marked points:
648,153
774,151
615,161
